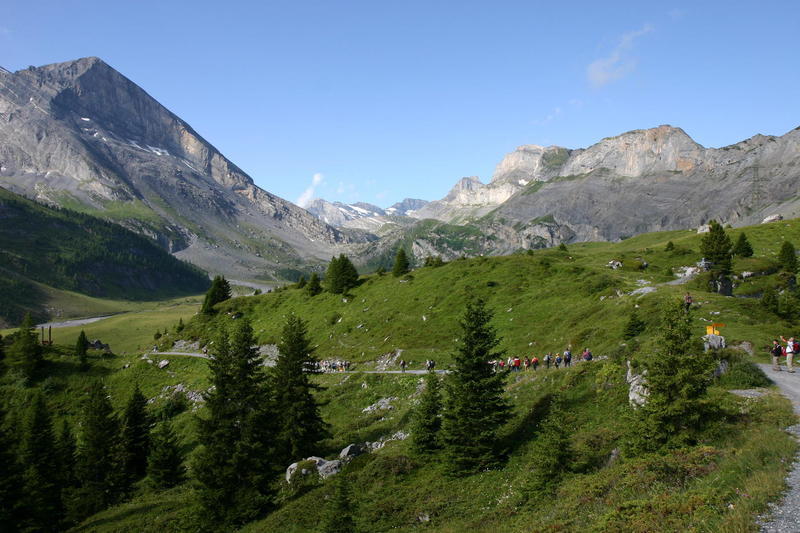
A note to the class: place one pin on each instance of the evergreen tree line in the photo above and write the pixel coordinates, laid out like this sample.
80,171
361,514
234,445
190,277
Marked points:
50,480
258,422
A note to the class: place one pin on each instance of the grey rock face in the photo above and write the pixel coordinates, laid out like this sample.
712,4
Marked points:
80,133
640,181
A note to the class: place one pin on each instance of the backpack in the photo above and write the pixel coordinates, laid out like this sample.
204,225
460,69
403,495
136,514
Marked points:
796,347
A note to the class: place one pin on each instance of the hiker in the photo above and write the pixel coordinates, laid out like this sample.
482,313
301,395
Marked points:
792,347
777,352
567,358
547,360
535,362
403,365
558,360
687,302
516,364
433,364
587,355
527,363
502,364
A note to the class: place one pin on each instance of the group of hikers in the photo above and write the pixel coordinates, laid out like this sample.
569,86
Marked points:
777,351
332,366
515,364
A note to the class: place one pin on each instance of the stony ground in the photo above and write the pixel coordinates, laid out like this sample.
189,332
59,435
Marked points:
785,515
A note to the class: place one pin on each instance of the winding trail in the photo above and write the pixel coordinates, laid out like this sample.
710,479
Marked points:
206,356
785,515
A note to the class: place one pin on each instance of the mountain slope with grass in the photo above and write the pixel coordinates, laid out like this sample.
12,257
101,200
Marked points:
566,455
68,251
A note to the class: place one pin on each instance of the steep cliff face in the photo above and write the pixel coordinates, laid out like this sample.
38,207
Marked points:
640,181
81,134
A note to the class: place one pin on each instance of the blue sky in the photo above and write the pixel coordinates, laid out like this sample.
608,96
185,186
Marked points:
378,100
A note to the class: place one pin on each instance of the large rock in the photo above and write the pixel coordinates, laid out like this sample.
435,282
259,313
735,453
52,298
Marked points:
323,468
637,387
352,451
713,342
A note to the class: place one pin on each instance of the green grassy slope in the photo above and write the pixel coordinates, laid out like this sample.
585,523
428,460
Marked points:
77,252
542,301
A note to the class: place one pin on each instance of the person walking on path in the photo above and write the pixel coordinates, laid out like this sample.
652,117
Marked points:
558,360
516,364
535,362
687,302
587,355
567,358
776,352
527,363
547,360
403,365
792,348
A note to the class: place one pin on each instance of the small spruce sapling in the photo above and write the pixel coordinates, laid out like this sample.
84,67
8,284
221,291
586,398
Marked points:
400,263
742,248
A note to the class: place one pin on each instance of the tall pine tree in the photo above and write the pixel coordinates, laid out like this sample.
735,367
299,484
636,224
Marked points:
81,347
475,407
400,263
66,451
165,462
677,379
787,257
219,291
341,275
10,479
38,456
25,353
300,425
235,466
742,248
338,513
313,286
134,438
426,420
95,467
716,246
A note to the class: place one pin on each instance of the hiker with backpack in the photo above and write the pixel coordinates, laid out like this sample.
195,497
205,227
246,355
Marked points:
547,359
558,360
792,347
776,351
535,362
567,358
587,355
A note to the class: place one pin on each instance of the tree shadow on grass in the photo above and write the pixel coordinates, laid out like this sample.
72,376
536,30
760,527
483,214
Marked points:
524,428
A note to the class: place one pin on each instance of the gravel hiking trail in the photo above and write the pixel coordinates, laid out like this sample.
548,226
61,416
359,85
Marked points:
785,515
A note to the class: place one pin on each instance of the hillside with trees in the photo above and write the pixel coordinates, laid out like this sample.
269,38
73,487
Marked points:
81,253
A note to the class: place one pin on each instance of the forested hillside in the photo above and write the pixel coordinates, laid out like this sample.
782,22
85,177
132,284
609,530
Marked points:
81,253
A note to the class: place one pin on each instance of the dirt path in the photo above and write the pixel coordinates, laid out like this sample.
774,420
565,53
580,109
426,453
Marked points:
205,356
70,323
785,516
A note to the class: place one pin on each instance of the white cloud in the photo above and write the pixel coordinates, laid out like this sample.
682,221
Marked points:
308,194
617,65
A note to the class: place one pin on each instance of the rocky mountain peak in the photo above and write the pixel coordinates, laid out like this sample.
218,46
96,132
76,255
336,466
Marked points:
530,162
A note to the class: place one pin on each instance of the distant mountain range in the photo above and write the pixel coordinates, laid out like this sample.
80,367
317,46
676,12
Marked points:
81,135
639,181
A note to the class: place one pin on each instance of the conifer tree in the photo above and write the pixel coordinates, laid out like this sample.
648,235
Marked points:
634,326
475,407
42,492
301,282
313,286
341,275
66,450
165,462
400,263
563,247
742,248
10,480
25,353
769,299
338,513
135,437
235,466
427,421
716,246
219,291
677,379
551,451
81,348
300,425
95,466
788,257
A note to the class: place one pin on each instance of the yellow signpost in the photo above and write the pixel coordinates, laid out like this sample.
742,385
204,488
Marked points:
713,329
